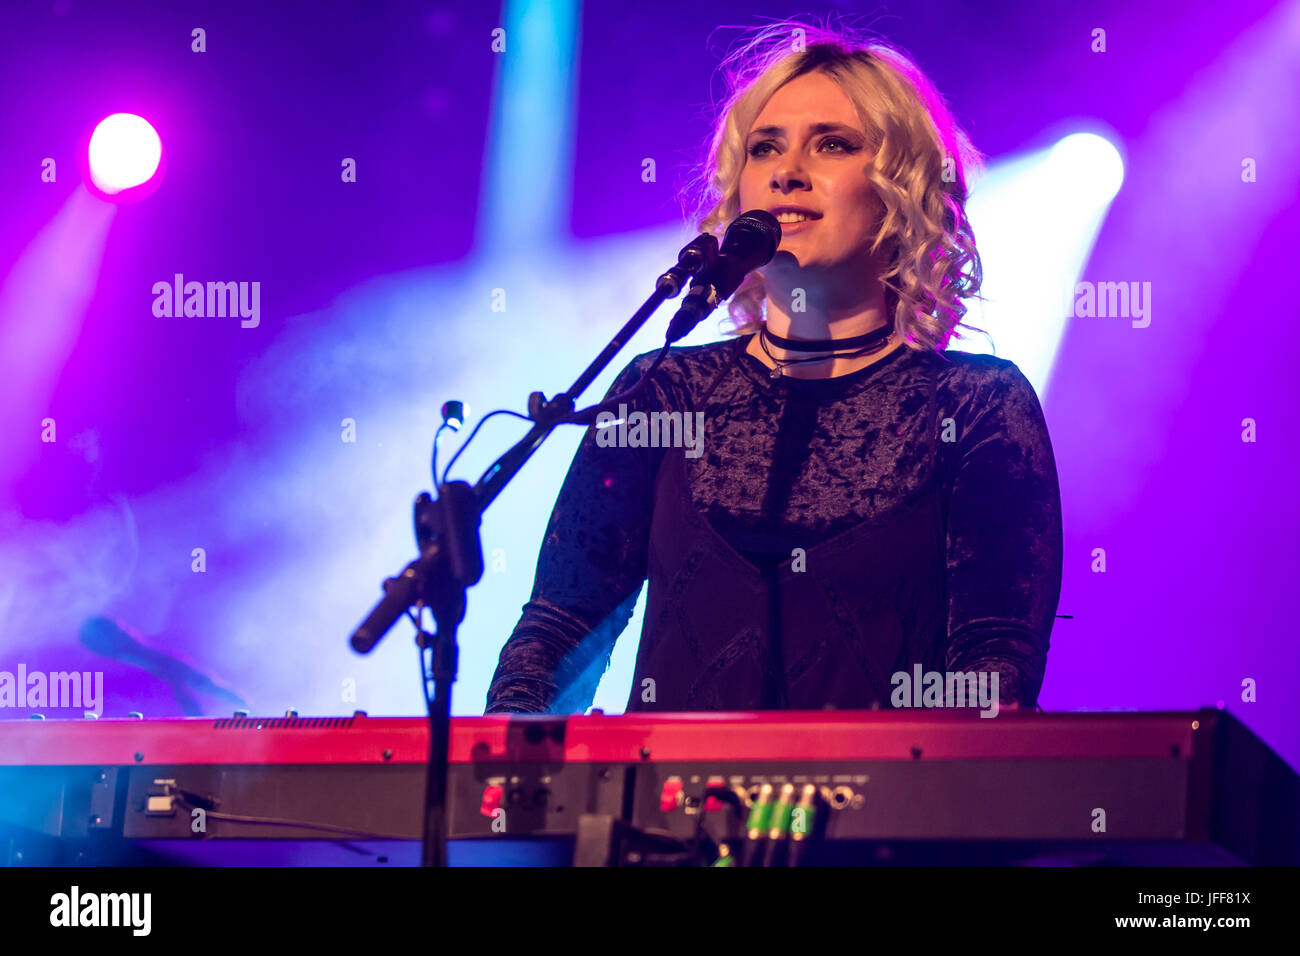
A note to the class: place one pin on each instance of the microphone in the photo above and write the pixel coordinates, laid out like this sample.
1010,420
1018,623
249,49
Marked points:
750,242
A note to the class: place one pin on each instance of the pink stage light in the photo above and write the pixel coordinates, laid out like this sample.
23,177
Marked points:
123,158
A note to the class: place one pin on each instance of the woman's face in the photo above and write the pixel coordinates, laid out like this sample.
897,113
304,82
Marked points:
808,153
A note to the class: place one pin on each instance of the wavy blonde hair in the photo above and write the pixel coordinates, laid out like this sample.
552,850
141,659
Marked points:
920,168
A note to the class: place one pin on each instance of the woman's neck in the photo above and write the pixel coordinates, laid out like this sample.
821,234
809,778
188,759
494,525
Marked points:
793,315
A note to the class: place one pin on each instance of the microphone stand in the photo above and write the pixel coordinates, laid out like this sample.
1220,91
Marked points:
451,551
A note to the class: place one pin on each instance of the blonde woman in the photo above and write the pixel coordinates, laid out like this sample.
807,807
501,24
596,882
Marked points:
865,504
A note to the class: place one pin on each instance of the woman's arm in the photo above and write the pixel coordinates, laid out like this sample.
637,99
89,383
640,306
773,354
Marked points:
590,569
1004,540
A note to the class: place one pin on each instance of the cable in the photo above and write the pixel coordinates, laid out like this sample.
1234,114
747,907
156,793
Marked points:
183,799
433,465
586,416
465,444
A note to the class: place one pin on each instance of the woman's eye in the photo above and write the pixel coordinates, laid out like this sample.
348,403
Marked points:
832,144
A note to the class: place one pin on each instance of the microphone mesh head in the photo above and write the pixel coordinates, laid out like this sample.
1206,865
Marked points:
754,233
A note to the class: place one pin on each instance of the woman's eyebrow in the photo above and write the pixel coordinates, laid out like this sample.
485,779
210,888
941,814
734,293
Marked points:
816,129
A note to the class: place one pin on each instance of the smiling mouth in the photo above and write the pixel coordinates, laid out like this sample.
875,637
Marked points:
786,218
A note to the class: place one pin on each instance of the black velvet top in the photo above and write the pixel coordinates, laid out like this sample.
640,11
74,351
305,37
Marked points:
790,462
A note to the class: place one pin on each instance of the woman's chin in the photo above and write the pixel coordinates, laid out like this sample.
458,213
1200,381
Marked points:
789,262
785,260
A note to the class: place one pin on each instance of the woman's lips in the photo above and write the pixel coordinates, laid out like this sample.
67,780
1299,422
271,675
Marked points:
794,228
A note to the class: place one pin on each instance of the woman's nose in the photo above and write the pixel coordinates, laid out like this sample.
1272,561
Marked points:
789,175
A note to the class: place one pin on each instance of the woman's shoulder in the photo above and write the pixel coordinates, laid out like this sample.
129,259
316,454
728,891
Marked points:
988,392
976,374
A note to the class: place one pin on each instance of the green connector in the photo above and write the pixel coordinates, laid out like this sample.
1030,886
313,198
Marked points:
779,826
760,813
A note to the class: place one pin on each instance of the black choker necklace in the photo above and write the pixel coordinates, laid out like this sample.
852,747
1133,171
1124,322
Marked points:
829,345
860,345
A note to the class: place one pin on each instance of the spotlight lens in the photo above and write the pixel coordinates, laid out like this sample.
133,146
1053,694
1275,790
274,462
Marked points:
124,152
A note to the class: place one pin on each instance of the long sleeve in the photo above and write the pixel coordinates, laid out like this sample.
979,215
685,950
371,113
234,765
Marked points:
1004,540
590,571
